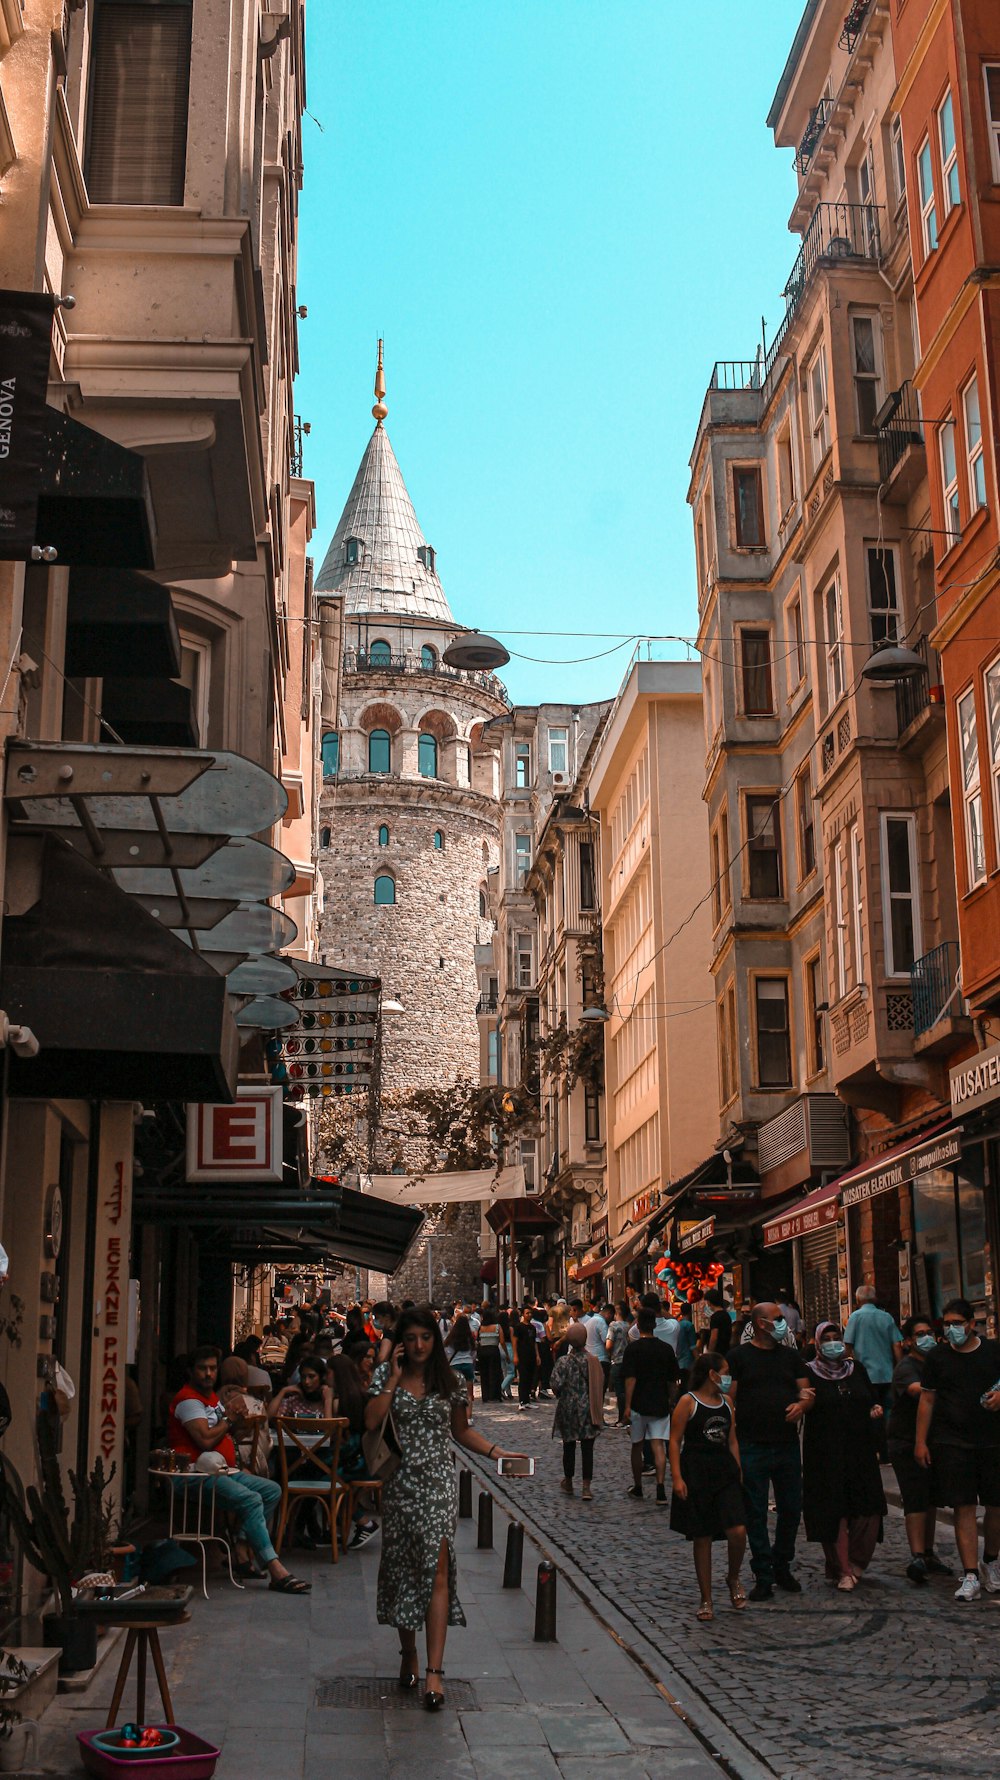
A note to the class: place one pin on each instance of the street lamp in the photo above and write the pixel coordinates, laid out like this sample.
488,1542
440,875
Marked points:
392,1006
890,662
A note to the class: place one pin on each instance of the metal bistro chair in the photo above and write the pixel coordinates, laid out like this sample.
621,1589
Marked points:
309,1444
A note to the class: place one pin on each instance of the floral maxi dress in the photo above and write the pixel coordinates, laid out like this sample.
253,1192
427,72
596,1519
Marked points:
419,1508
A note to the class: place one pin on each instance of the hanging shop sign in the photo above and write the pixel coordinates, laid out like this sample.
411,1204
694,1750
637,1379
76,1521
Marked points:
243,1141
976,1082
693,1235
813,1213
25,343
940,1152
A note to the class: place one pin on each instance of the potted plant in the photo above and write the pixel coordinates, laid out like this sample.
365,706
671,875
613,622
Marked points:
61,1547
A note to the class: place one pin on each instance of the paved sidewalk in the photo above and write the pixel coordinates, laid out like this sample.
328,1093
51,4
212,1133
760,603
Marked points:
889,1680
250,1669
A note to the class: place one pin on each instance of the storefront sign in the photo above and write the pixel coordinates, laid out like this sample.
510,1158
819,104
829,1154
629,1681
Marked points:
692,1235
112,1357
25,344
801,1222
976,1082
941,1152
240,1142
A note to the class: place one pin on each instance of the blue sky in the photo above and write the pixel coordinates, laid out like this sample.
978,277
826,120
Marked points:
559,213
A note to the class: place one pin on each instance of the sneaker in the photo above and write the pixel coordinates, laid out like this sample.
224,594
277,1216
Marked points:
635,1492
991,1576
968,1589
661,1495
791,1584
761,1591
934,1565
916,1569
362,1533
521,1407
649,1470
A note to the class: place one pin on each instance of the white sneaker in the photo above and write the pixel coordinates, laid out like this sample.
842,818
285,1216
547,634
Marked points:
991,1576
968,1589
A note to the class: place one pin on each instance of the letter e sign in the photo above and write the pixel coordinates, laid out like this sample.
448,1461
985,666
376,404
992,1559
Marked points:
243,1141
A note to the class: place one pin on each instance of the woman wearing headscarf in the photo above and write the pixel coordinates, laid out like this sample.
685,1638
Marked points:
843,1502
578,1385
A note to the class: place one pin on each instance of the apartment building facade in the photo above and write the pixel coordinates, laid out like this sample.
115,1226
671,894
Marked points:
160,710
828,785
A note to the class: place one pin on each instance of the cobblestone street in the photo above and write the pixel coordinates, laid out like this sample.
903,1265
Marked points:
894,1679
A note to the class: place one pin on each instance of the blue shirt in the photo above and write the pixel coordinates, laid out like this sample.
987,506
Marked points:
871,1333
687,1340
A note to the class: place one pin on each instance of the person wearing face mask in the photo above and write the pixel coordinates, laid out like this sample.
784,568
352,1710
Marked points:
915,1481
874,1339
707,1500
958,1431
772,1392
843,1503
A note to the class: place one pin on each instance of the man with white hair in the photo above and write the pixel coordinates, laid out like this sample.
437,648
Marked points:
873,1339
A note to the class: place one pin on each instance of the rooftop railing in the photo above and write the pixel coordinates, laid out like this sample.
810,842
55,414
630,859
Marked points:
359,661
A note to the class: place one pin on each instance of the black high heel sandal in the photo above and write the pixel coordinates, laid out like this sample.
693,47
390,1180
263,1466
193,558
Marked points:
408,1675
433,1701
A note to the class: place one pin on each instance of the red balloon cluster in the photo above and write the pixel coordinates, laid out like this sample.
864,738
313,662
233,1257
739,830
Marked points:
687,1279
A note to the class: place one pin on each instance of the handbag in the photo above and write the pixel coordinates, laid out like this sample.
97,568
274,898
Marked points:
383,1453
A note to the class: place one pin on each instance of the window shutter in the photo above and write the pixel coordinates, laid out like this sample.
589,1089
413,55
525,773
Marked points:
137,138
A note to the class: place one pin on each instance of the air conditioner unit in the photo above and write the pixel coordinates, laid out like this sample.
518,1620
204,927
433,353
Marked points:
580,1226
560,778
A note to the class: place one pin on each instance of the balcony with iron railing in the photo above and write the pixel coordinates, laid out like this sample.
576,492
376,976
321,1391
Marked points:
940,1020
854,24
358,661
819,117
898,428
487,1004
920,695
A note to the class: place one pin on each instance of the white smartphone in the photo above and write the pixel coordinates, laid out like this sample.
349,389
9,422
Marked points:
516,1467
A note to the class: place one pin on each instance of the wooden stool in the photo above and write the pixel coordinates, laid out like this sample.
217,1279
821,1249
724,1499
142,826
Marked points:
142,1636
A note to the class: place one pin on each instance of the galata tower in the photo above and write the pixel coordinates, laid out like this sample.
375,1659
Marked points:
410,815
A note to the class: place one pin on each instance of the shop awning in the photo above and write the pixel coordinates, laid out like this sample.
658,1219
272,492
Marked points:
811,1213
482,1185
628,1243
121,1010
518,1215
118,622
589,1269
94,502
940,1147
264,1222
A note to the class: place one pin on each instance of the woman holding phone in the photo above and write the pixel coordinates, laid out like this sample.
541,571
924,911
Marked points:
417,1573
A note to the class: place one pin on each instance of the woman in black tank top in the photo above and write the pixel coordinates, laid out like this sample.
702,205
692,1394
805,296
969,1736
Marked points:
705,1466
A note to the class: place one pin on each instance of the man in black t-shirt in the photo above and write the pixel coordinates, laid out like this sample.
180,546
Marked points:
720,1324
771,1393
958,1430
650,1374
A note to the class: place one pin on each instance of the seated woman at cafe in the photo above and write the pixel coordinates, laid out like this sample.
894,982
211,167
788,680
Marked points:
311,1396
350,1393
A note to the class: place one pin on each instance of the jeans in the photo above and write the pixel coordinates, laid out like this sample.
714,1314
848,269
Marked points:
780,1468
253,1500
586,1459
618,1386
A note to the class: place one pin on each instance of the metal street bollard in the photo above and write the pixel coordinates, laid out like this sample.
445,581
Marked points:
514,1555
545,1605
465,1495
485,1540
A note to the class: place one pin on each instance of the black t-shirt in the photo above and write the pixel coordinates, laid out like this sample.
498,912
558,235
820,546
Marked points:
722,1323
902,1423
768,1380
653,1365
958,1380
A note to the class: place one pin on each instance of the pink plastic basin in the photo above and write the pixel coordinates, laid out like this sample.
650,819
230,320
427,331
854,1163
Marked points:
192,1759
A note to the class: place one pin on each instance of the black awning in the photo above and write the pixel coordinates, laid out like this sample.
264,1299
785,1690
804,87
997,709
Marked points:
149,713
122,1010
118,622
258,1221
94,502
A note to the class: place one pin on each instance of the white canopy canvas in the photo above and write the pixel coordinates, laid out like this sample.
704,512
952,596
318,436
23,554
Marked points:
482,1184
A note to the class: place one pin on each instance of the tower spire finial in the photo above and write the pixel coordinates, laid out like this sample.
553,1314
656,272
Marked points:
380,410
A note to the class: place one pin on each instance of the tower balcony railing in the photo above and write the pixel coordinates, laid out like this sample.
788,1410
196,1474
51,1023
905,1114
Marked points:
359,661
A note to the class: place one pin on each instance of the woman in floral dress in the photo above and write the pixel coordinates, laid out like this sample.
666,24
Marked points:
417,1574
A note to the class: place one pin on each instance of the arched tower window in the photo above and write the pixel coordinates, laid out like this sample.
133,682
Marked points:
438,839
331,754
428,658
427,756
353,552
385,889
383,836
380,654
379,751
483,910
324,837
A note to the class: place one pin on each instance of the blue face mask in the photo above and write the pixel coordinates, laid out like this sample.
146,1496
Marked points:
724,1382
957,1334
926,1343
779,1329
831,1350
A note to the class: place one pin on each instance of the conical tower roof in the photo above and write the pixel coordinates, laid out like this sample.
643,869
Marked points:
392,570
